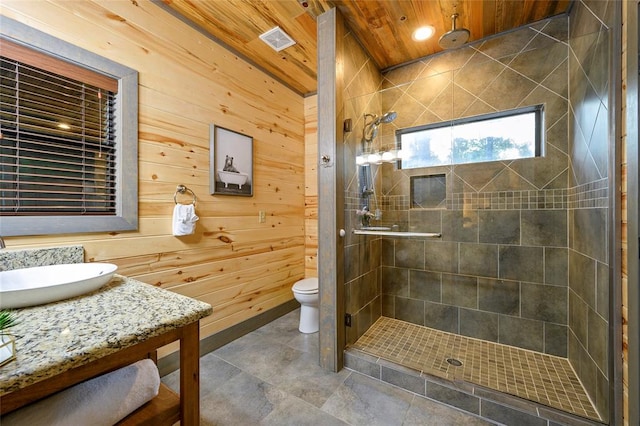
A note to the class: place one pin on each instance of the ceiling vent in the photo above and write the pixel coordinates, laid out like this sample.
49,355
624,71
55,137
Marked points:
277,39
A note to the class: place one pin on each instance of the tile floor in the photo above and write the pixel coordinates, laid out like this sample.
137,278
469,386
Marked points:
545,379
271,377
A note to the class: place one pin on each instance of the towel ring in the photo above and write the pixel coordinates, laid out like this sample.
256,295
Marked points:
183,189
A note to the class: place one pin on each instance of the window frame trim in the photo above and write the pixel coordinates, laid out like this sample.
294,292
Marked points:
539,134
126,217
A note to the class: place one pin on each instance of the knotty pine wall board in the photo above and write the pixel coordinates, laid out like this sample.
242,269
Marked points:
186,82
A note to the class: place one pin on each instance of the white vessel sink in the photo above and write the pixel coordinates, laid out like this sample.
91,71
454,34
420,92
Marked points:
44,284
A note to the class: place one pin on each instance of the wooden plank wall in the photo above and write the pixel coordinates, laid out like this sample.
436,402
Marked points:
238,265
311,185
624,217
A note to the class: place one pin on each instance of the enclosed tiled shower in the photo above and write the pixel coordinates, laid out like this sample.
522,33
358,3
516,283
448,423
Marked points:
523,259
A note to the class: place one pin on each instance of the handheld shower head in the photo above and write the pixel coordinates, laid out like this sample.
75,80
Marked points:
371,129
387,117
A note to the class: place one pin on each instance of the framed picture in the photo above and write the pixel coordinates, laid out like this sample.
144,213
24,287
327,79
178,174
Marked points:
231,162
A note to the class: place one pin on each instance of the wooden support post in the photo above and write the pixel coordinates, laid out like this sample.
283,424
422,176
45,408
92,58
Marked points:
190,375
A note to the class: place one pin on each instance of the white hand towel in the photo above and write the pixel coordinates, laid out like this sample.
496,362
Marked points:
184,219
103,400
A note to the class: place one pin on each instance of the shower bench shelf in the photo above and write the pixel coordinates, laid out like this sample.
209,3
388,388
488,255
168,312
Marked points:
397,233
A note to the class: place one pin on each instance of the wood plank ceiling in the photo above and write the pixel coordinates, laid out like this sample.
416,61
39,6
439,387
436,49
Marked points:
384,27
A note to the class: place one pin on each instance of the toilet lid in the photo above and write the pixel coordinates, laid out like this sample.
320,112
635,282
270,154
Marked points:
308,285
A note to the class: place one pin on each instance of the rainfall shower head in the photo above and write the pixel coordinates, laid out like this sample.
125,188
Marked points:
454,38
371,129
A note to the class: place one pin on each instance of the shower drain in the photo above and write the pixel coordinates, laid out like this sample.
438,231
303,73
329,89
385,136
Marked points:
454,362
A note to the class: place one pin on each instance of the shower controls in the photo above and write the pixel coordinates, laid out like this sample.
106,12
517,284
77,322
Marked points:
347,320
346,125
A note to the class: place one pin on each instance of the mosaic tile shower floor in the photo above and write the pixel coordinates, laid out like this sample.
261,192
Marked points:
545,379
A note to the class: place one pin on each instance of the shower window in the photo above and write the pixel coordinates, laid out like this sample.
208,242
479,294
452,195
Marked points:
69,142
506,135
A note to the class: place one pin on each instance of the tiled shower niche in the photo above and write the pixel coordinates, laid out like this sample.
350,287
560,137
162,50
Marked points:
428,191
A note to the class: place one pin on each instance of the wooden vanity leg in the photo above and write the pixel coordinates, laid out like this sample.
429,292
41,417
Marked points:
190,375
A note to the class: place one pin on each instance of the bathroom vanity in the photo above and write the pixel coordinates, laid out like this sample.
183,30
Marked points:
61,344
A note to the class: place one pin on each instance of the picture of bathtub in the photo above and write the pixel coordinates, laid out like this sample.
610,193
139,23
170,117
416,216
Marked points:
230,162
232,178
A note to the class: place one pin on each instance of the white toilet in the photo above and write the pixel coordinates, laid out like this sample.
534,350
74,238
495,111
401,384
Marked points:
306,293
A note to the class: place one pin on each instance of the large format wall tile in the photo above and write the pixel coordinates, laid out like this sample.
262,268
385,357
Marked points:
499,226
521,332
499,296
459,290
545,303
544,228
425,285
555,339
522,263
479,259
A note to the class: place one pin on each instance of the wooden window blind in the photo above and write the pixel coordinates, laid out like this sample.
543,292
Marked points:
57,137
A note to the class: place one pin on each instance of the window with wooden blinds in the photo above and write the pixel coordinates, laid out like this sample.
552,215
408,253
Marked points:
58,153
68,137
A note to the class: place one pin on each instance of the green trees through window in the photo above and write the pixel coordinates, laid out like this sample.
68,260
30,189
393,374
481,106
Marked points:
500,136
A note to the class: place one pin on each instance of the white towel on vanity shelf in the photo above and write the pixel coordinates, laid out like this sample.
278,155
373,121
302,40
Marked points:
184,219
103,400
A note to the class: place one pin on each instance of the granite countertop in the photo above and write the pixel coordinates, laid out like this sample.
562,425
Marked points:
57,337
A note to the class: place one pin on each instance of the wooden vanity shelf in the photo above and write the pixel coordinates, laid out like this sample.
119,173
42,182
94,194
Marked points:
161,318
165,409
162,410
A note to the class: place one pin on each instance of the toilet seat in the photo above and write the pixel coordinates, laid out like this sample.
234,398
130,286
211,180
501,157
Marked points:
306,286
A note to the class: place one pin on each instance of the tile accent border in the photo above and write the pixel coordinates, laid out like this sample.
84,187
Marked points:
590,195
546,199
